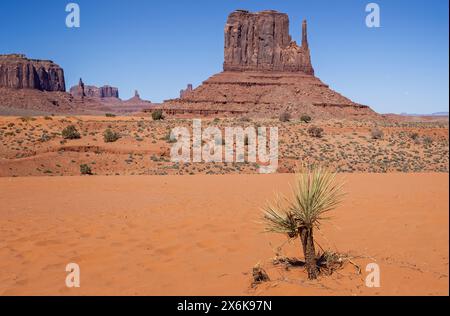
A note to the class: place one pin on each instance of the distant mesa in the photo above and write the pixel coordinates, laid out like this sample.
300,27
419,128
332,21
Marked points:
438,114
265,73
19,72
185,92
81,91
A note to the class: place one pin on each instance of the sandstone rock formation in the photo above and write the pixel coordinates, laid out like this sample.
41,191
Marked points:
186,91
261,41
19,72
80,91
36,87
265,74
136,100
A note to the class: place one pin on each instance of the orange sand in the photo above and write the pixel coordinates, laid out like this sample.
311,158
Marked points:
199,235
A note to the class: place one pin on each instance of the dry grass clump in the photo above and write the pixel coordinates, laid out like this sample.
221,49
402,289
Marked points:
259,275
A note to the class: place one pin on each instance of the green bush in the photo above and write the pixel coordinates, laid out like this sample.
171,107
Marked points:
158,115
85,170
306,119
110,137
70,132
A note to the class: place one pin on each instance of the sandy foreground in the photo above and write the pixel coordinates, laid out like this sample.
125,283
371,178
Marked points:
199,235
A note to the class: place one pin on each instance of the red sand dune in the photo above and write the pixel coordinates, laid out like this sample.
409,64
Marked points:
199,235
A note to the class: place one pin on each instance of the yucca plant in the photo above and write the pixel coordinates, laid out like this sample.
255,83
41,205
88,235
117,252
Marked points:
315,193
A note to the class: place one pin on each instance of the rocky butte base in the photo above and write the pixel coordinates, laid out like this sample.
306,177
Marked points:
265,74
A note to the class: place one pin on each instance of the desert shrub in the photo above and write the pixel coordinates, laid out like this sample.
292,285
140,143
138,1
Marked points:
70,132
85,169
158,115
306,119
376,133
315,193
315,131
414,136
110,115
427,140
27,119
285,117
110,136
245,119
44,138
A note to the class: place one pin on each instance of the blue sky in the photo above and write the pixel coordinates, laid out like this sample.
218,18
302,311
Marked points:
158,46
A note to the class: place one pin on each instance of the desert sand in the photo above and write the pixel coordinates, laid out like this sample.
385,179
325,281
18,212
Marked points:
34,146
199,235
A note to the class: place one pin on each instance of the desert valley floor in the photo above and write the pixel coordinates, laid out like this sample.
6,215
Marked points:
34,146
200,235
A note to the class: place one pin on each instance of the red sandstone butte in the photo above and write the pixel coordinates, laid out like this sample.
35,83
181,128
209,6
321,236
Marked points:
19,72
261,41
265,74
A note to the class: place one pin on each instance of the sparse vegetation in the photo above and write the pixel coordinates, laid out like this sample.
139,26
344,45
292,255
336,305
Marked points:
110,136
315,131
306,119
85,170
348,147
158,115
71,132
414,136
316,192
427,140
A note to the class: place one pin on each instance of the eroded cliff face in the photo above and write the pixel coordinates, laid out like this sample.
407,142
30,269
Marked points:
81,91
261,42
19,72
